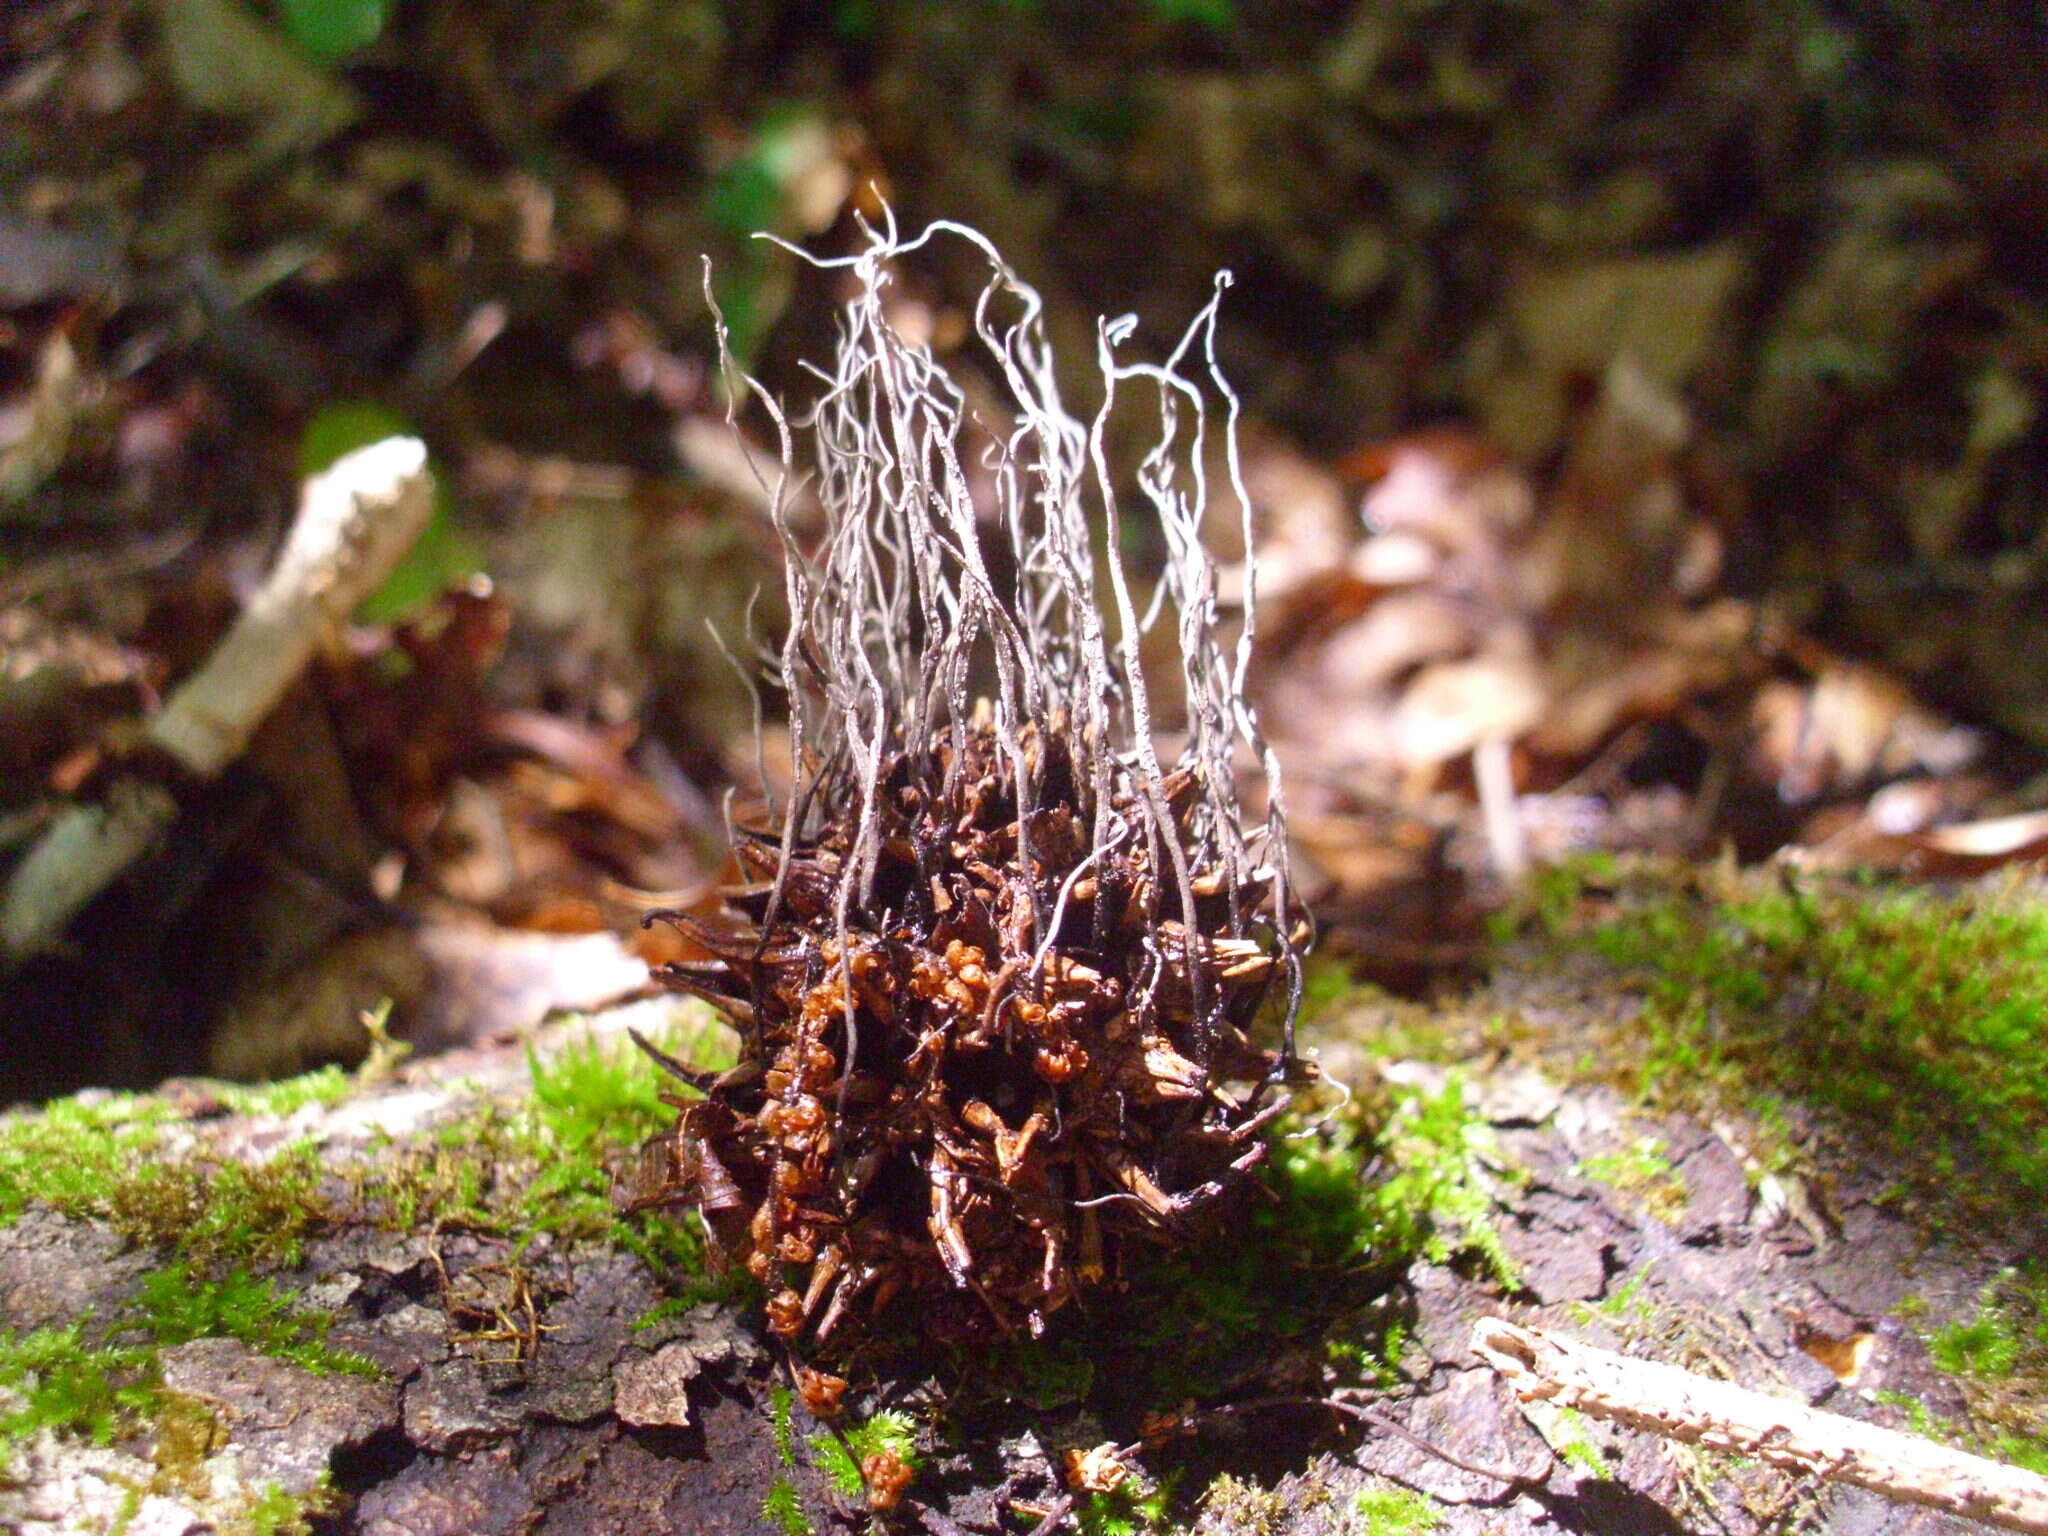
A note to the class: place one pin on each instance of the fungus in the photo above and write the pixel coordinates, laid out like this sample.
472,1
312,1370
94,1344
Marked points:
1016,994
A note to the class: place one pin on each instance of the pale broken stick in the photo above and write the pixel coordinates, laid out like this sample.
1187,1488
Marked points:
1680,1405
355,522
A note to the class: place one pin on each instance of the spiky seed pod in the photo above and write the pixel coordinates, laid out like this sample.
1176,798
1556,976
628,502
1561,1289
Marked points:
998,970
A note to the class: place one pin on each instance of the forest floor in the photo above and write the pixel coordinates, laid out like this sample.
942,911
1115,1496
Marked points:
400,1300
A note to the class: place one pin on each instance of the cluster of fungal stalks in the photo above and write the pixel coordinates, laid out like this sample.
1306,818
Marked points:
1016,996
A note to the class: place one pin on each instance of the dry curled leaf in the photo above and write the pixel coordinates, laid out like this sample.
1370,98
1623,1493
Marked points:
1100,1469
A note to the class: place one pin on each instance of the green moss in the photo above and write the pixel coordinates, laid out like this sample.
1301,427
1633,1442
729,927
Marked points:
1642,1173
1436,1200
1919,1417
783,1509
1918,1018
594,1094
507,1170
1326,984
1554,896
1998,1354
2028,1451
110,1161
443,1180
1336,1003
326,1087
591,1099
258,1215
840,1456
544,1163
1568,1433
124,1517
274,1512
1244,1508
78,1381
1132,1508
179,1305
1397,1512
70,1154
1384,1366
1375,1365
57,1379
540,1165
782,1398
1625,1303
2014,1449
1985,1344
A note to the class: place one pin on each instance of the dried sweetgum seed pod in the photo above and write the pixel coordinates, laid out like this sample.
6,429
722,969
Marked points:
999,971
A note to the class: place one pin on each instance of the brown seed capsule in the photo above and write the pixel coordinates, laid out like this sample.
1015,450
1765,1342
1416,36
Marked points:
801,1115
785,1313
886,1477
1058,1062
821,1392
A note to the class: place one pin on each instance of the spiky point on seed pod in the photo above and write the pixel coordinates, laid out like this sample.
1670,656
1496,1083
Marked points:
1003,977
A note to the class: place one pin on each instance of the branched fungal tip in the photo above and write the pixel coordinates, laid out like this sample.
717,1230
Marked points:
1003,974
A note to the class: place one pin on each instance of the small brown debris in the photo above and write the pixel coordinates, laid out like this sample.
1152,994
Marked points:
1100,1469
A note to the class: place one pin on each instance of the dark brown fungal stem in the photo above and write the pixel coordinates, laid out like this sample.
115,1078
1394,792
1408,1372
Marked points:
1016,996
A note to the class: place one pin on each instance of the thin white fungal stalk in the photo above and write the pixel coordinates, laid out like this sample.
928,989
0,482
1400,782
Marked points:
915,593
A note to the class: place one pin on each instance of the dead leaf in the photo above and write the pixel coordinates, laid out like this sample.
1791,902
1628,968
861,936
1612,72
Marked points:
1453,706
1100,1469
491,983
1851,724
1973,847
1845,1357
36,433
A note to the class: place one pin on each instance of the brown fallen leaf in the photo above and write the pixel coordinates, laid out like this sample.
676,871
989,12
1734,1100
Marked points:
1845,1357
1100,1469
1972,847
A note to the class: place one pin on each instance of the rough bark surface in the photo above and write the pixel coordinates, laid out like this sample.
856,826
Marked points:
611,1423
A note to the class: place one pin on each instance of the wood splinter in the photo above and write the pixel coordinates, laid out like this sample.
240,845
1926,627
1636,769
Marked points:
1680,1405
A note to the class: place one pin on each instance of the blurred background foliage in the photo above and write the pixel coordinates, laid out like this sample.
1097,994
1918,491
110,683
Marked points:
1820,222
238,238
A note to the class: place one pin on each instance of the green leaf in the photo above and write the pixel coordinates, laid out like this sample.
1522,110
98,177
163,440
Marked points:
225,59
441,557
328,31
344,427
1216,14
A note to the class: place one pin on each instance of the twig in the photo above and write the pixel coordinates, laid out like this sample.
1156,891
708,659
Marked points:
1680,1405
355,521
